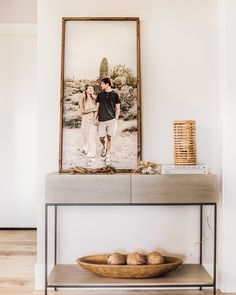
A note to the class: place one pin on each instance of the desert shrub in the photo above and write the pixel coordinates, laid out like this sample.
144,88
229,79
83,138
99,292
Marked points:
122,75
71,118
130,129
72,123
124,83
129,116
128,103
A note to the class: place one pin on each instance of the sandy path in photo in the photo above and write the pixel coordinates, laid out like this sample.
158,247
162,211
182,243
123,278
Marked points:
124,148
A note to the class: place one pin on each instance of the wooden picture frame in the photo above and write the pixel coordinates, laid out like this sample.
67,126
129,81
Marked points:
113,43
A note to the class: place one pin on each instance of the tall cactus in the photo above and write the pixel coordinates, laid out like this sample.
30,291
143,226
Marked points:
104,69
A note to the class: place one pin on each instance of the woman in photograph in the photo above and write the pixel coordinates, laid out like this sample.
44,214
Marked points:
88,128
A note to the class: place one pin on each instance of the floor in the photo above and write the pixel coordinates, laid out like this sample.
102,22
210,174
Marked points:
17,259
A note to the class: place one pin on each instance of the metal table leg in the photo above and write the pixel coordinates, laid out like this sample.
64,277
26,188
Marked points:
215,248
55,237
200,254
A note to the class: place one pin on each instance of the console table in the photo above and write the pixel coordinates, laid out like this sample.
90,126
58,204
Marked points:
130,190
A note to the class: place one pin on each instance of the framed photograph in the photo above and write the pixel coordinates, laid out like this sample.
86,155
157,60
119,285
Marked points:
100,122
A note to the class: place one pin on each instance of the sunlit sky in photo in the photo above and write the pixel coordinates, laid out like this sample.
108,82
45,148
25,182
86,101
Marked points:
87,42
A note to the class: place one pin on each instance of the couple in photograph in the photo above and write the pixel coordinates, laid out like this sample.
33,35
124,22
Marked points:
99,113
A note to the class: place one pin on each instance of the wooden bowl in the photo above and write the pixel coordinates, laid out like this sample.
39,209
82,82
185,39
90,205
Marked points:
98,264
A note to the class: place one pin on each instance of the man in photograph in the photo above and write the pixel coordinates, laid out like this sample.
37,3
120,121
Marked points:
108,105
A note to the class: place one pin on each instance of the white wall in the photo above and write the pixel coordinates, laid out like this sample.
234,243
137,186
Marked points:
228,93
179,81
15,11
18,121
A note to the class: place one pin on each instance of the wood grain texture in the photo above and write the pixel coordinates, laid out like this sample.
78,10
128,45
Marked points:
187,274
23,254
17,259
97,264
139,126
61,92
66,188
133,188
174,188
114,18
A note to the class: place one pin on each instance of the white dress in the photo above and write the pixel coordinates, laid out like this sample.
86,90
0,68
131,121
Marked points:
88,130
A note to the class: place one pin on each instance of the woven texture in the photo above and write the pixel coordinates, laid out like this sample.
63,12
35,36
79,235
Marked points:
98,264
185,142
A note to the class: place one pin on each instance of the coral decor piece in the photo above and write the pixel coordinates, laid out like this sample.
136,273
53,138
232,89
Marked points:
147,167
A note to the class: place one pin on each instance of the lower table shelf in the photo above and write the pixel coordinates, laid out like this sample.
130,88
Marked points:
71,275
